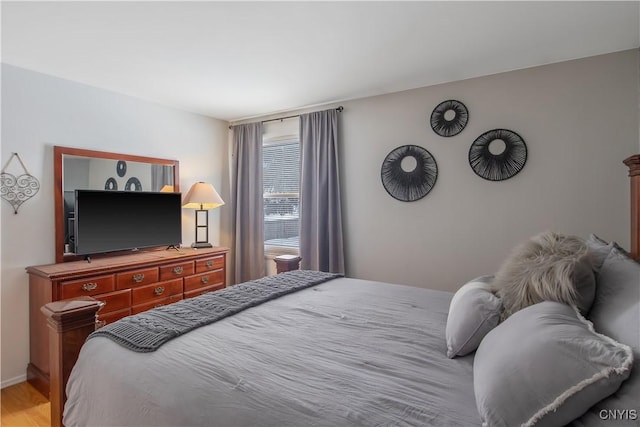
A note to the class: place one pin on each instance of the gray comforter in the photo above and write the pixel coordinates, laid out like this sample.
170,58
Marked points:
343,353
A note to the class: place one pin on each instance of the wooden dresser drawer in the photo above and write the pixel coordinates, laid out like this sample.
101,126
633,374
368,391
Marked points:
201,291
115,301
126,282
135,278
113,316
153,304
156,291
174,271
209,264
88,286
204,280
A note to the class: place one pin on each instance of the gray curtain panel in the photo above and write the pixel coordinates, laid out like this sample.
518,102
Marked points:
247,205
161,175
321,245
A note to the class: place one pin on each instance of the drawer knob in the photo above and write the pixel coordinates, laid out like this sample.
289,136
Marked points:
158,291
177,270
138,277
205,279
209,264
89,286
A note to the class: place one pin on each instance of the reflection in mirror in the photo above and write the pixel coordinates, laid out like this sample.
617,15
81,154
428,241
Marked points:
88,173
78,169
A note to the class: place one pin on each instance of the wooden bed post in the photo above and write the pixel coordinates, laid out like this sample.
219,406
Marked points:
70,323
633,163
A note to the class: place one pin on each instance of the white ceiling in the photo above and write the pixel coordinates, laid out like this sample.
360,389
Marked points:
234,60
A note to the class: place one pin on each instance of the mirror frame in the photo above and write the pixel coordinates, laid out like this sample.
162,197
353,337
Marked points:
58,154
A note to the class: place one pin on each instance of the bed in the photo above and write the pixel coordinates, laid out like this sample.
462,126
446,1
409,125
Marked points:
349,352
344,352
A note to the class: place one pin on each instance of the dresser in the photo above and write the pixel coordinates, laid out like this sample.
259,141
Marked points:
127,284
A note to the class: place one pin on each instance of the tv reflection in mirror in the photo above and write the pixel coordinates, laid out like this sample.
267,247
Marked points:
69,199
110,221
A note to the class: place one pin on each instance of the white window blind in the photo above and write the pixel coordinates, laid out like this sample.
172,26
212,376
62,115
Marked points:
281,180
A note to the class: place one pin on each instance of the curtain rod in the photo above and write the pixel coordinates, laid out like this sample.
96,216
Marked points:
338,109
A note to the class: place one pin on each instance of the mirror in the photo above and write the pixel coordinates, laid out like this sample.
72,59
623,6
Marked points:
78,169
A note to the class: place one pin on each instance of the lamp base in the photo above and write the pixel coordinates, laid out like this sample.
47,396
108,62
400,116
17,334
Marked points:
201,245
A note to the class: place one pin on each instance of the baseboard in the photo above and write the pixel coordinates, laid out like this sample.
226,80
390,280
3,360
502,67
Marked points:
13,381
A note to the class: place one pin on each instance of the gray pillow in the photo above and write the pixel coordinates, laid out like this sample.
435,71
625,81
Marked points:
545,366
599,251
547,267
616,313
473,312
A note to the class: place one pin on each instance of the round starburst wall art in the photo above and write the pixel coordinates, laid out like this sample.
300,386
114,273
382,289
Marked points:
449,118
498,154
409,173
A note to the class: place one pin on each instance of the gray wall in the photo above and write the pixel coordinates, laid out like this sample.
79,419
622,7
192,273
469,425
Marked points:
40,111
579,120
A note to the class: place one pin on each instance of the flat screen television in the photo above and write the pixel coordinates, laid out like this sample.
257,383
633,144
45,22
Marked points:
109,221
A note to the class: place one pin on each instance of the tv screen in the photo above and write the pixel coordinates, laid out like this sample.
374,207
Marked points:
107,221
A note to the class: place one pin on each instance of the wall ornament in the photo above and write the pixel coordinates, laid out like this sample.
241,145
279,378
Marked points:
17,189
498,154
409,173
449,118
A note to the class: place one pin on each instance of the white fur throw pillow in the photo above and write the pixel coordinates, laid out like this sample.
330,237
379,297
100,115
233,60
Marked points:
547,267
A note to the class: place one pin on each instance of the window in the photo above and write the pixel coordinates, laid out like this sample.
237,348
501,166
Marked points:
281,180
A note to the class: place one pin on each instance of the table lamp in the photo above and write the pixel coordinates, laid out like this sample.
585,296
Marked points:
202,197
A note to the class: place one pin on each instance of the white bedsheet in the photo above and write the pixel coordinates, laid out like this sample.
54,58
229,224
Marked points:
344,353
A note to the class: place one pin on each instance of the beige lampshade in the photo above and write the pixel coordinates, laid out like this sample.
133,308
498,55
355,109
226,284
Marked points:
202,196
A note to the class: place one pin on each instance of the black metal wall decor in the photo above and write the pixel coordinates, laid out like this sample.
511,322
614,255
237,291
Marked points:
133,184
111,184
500,164
412,184
449,118
121,168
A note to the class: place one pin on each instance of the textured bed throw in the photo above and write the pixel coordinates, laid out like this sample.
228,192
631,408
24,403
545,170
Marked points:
147,331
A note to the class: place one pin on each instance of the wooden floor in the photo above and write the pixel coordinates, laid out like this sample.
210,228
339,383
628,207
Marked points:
23,406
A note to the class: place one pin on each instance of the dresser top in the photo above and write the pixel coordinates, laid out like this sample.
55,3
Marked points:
109,263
